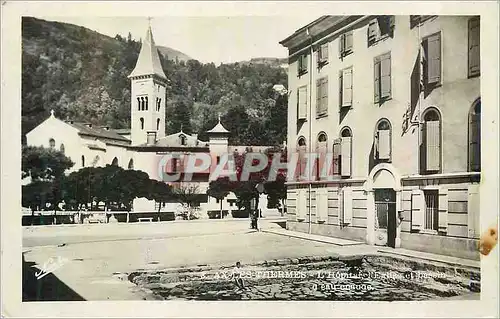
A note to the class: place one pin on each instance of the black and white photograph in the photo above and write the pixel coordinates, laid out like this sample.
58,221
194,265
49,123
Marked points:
223,158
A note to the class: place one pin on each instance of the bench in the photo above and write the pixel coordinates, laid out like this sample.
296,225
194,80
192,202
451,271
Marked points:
143,219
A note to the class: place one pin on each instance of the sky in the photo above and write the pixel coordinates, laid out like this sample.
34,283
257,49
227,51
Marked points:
205,38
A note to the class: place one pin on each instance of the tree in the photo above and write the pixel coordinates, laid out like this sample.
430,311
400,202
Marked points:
187,193
180,117
219,189
159,192
45,167
41,163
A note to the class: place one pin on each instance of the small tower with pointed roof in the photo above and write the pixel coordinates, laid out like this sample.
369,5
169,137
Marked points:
148,93
218,138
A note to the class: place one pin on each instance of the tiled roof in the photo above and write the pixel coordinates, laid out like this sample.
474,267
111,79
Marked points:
99,132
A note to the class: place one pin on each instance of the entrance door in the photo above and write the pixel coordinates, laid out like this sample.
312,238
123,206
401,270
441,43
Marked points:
385,215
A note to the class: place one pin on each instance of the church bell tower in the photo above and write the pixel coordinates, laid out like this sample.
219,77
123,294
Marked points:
148,94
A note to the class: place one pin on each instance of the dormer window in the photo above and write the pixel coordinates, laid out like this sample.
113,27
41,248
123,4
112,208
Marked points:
52,143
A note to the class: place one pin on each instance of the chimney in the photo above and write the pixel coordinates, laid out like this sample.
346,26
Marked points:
195,136
151,138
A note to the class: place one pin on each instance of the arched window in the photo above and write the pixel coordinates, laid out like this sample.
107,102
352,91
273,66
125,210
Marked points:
159,104
142,103
383,141
321,149
345,152
52,143
430,154
183,140
131,164
115,162
146,103
96,161
61,148
138,104
475,137
302,159
142,123
83,161
157,124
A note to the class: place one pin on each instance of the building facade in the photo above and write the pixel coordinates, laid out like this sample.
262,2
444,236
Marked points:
143,146
396,101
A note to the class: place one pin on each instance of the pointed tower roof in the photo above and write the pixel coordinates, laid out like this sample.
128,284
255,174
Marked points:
148,62
218,129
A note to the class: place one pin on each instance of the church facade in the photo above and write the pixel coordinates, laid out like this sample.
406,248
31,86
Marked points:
143,146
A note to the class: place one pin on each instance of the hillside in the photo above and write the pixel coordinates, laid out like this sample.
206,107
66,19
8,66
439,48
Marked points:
173,54
82,75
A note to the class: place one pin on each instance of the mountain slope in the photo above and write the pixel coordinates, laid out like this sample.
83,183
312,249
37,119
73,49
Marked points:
82,75
173,54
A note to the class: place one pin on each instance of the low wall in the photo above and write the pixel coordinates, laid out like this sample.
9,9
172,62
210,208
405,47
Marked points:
443,245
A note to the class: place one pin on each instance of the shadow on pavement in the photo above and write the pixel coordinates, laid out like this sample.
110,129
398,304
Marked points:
47,288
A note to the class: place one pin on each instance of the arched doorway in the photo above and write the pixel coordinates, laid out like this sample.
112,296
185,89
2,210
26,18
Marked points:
115,162
384,192
131,164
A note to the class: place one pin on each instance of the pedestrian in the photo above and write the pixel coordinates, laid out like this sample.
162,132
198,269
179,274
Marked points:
237,276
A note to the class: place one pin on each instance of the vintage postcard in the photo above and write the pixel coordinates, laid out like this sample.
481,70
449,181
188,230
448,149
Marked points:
239,159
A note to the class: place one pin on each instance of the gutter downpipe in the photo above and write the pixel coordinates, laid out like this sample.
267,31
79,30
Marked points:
310,127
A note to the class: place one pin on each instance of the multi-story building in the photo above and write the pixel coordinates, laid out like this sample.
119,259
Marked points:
396,100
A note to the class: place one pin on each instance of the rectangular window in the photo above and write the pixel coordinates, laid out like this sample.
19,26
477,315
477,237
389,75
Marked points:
323,54
431,210
175,165
345,86
302,65
382,77
322,96
345,44
474,47
432,60
380,28
302,103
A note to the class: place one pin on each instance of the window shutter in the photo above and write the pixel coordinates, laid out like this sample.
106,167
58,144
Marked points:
324,98
347,87
372,31
303,103
336,156
385,77
322,204
347,207
474,46
475,143
304,63
301,204
348,42
376,75
384,144
443,210
302,161
346,156
433,145
341,45
417,209
340,90
434,59
299,65
319,94
473,212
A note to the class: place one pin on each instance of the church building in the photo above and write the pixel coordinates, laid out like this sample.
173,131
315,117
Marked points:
143,145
